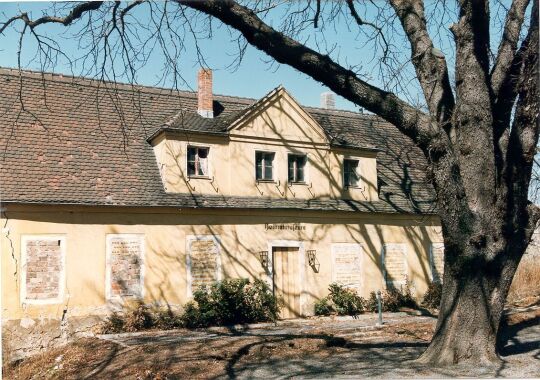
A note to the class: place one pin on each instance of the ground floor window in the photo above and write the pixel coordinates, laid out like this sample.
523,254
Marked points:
43,268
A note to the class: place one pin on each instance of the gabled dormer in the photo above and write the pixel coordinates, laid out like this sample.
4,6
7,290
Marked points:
271,148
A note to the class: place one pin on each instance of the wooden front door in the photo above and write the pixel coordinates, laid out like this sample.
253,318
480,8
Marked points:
287,280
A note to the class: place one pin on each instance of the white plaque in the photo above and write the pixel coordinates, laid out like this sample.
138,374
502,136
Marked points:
347,264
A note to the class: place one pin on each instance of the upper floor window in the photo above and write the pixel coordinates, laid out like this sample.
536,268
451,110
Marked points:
350,173
264,166
297,165
197,161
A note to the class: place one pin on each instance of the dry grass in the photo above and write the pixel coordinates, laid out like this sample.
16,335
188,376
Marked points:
526,281
160,359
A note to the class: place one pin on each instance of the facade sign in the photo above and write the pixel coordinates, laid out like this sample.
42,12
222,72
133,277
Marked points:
347,264
284,226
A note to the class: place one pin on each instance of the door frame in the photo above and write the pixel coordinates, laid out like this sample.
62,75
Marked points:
301,264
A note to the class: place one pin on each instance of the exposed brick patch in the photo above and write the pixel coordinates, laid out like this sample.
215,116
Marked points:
43,269
126,266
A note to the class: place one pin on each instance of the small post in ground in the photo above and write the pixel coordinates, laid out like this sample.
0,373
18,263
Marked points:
379,307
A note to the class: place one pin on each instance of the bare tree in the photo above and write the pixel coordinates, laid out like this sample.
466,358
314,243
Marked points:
477,123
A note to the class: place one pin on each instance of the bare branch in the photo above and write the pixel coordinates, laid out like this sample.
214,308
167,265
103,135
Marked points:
75,14
361,22
508,45
524,133
9,22
317,14
320,67
429,63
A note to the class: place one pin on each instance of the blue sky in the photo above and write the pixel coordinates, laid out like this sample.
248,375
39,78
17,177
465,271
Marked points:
254,78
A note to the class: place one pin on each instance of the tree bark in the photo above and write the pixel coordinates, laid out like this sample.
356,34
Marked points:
471,308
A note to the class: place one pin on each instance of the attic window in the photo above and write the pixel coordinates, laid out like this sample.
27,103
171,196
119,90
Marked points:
264,165
197,161
297,164
350,173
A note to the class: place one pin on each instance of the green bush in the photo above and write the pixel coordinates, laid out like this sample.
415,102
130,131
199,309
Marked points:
341,300
392,299
432,298
323,307
228,302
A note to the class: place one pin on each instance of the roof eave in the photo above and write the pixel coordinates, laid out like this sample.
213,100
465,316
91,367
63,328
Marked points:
176,131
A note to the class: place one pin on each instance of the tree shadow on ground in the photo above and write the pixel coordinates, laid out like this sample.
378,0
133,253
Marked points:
512,340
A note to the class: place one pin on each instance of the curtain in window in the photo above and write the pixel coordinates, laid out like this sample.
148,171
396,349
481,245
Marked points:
202,162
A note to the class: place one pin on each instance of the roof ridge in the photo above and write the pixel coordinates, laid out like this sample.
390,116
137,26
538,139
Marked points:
60,77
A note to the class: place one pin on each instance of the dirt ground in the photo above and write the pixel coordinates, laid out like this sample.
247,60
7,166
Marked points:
345,348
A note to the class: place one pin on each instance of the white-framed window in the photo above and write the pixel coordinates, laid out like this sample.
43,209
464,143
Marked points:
297,168
264,166
43,276
351,178
197,161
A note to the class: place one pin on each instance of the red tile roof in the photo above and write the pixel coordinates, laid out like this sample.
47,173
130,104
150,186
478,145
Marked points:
74,140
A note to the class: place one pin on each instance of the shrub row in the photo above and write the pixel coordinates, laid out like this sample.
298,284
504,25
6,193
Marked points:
346,301
341,301
228,302
238,301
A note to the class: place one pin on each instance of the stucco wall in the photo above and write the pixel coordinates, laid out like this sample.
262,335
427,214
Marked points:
241,236
280,127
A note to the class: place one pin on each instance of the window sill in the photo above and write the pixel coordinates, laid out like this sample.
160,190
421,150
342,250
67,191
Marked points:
298,184
199,177
265,181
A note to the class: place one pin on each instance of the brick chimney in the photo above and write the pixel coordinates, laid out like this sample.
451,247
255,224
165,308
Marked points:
328,101
204,93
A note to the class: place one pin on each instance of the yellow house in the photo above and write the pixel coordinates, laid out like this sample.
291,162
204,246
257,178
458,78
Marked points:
111,192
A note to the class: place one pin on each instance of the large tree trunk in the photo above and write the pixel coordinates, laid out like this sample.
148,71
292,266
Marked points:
472,304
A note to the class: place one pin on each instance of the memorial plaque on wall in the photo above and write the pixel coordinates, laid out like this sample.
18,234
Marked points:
437,261
125,253
395,265
203,261
347,264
